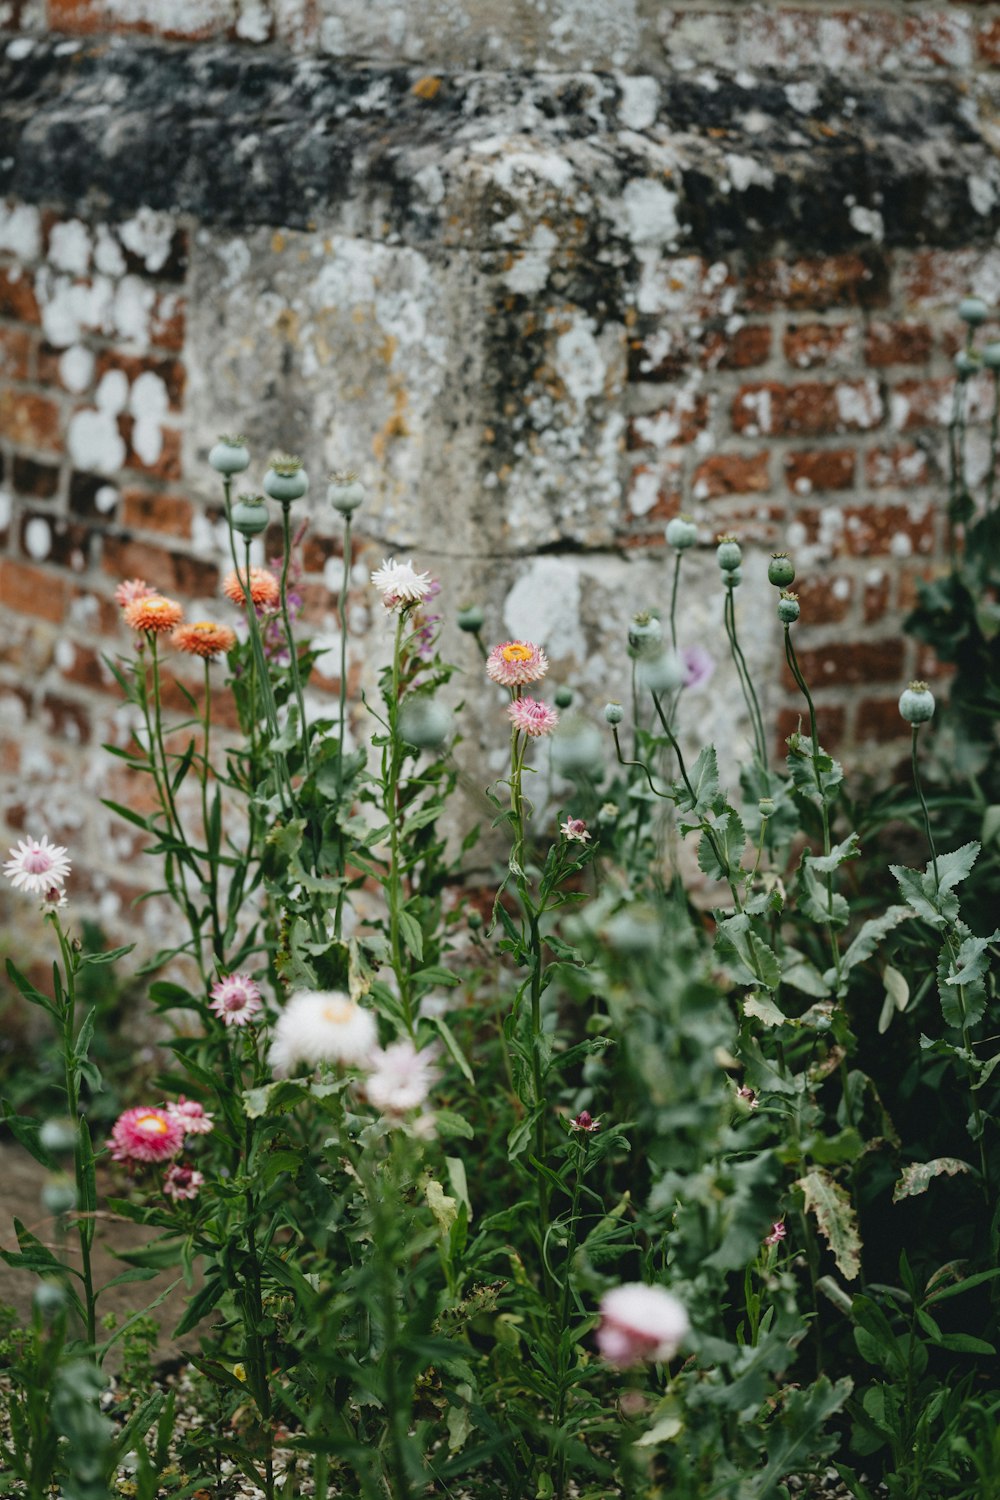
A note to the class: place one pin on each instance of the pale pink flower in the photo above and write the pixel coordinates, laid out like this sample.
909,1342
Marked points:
585,1121
531,717
146,1134
640,1323
132,589
190,1114
318,1026
514,663
181,1182
698,664
401,1077
400,584
38,867
778,1233
575,830
236,999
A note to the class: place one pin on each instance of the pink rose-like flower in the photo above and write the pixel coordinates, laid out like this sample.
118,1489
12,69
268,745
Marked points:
38,867
585,1121
778,1233
190,1114
132,589
182,1182
514,663
640,1323
146,1134
236,999
575,830
531,717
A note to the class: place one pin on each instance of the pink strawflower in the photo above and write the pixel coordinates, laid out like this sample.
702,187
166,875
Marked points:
38,867
190,1114
236,999
585,1122
531,717
181,1182
132,589
575,830
778,1233
401,584
698,664
513,663
146,1134
640,1323
401,1077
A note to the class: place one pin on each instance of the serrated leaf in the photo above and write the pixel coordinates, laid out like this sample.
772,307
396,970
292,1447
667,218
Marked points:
820,903
954,867
721,849
798,1436
737,944
871,933
762,1008
834,1214
911,886
918,1176
825,864
971,960
803,975
962,1005
704,779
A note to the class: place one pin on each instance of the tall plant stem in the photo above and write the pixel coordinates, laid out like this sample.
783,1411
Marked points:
401,967
673,600
213,854
746,681
563,1350
256,1342
293,654
282,777
345,582
994,429
83,1156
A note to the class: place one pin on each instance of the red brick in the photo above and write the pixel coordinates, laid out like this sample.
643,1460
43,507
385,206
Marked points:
40,481
898,344
817,283
740,350
988,43
938,278
170,371
879,530
731,474
15,353
878,585
930,403
65,718
824,469
830,722
809,344
811,407
69,545
173,572
88,17
679,421
32,591
930,667
167,465
30,421
658,358
824,601
902,467
937,39
17,296
879,719
87,669
90,496
654,492
167,322
146,510
846,663
865,39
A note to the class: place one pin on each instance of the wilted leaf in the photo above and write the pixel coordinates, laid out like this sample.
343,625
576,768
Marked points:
834,1214
918,1176
764,1010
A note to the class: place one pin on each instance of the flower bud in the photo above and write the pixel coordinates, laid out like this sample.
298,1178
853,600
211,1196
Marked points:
345,492
681,533
781,570
607,813
991,356
475,919
916,703
249,515
424,722
973,310
286,480
614,713
788,608
563,696
470,618
230,455
728,554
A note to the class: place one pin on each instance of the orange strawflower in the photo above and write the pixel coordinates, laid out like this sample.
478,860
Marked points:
153,614
264,590
203,638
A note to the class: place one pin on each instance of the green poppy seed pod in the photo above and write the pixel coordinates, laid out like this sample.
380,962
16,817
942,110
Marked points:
681,533
49,1299
58,1136
766,807
728,554
607,814
733,578
345,492
645,633
916,703
967,363
564,696
788,608
58,1195
577,747
991,356
781,570
230,455
973,310
614,713
662,673
475,919
249,515
424,722
470,618
286,480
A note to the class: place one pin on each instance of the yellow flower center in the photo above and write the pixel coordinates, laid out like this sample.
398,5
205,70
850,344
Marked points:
516,652
339,1012
152,1124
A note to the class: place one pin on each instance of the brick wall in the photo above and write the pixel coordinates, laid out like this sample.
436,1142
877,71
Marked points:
652,259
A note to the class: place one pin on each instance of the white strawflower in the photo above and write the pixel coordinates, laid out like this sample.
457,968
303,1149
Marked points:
401,584
38,867
319,1026
401,1078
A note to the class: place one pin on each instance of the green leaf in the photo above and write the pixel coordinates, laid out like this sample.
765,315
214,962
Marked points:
421,818
27,989
457,1055
721,849
520,1136
130,817
918,1176
897,996
834,1214
797,1436
109,957
753,961
763,1009
911,886
412,935
954,867
820,903
962,1004
825,864
870,934
201,1303
704,778
803,975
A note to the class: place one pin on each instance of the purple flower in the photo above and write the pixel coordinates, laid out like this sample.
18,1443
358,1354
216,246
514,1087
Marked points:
699,664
